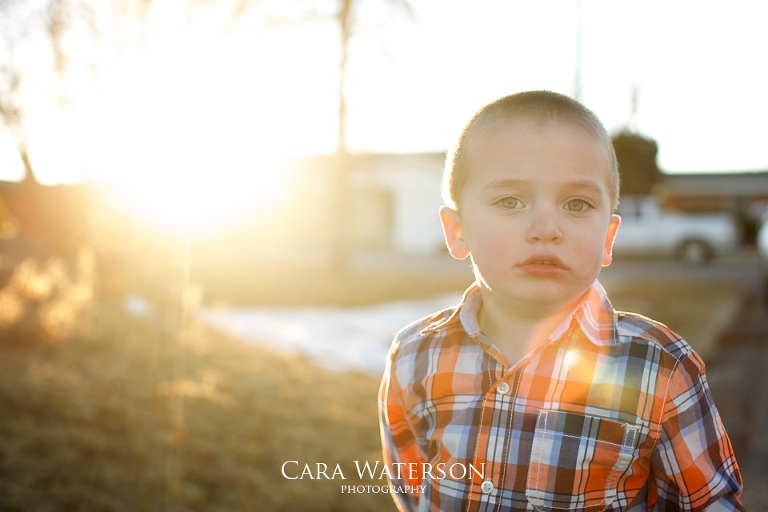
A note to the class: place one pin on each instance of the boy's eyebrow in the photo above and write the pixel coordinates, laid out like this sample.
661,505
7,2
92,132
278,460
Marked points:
588,184
507,183
511,183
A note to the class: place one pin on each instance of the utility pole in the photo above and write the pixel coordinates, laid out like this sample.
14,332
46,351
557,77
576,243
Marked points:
579,36
634,100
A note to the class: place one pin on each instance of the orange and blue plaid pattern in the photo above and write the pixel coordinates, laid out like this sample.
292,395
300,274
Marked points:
613,412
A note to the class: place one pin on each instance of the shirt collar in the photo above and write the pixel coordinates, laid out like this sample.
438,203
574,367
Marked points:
594,316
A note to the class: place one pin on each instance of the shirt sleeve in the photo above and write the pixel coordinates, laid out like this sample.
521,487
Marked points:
401,446
693,463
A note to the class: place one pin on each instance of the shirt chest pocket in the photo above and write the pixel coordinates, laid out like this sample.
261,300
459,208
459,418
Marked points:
577,460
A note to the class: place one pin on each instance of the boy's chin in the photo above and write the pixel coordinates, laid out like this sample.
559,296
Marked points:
533,300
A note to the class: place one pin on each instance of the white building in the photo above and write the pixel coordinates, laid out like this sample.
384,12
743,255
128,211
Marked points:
392,202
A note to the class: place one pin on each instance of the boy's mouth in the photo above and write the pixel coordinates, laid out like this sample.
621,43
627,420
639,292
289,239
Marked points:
542,259
543,265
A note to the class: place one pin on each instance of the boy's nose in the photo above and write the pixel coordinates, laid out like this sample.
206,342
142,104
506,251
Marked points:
544,228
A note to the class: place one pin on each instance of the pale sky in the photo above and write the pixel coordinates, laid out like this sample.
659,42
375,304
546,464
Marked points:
198,97
700,68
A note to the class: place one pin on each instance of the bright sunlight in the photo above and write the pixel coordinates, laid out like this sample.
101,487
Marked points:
189,125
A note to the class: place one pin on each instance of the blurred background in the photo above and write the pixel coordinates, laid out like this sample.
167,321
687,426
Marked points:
215,214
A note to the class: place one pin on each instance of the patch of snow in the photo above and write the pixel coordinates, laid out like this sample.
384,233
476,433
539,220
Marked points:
334,337
137,305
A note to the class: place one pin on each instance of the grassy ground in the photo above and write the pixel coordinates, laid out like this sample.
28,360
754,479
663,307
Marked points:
311,283
153,413
132,416
691,309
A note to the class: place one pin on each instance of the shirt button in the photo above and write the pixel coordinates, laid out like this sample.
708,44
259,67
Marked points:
486,487
502,388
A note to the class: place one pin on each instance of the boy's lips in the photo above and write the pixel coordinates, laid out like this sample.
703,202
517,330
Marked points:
543,265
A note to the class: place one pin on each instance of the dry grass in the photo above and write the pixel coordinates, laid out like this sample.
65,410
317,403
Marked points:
687,307
133,417
152,413
294,284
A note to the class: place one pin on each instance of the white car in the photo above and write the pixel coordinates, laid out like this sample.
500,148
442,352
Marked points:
762,249
648,229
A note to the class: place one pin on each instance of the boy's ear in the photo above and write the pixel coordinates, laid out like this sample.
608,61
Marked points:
613,228
452,230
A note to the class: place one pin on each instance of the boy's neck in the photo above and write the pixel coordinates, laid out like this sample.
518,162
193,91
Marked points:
518,334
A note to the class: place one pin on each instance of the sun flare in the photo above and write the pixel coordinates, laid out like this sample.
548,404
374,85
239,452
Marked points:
188,124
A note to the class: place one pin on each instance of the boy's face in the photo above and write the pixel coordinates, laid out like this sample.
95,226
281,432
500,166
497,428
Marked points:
535,214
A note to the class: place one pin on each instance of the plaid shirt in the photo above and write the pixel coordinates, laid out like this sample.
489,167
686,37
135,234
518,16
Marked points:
613,412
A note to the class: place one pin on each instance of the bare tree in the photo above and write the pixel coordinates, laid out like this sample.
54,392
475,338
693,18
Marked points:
22,23
12,114
637,162
15,26
349,26
44,25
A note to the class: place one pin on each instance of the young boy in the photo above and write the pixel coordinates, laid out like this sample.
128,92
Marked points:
533,393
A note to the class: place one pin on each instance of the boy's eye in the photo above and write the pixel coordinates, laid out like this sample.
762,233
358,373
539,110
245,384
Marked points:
577,205
510,203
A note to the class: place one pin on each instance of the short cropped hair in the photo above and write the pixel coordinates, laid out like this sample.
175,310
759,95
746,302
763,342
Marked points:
538,105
